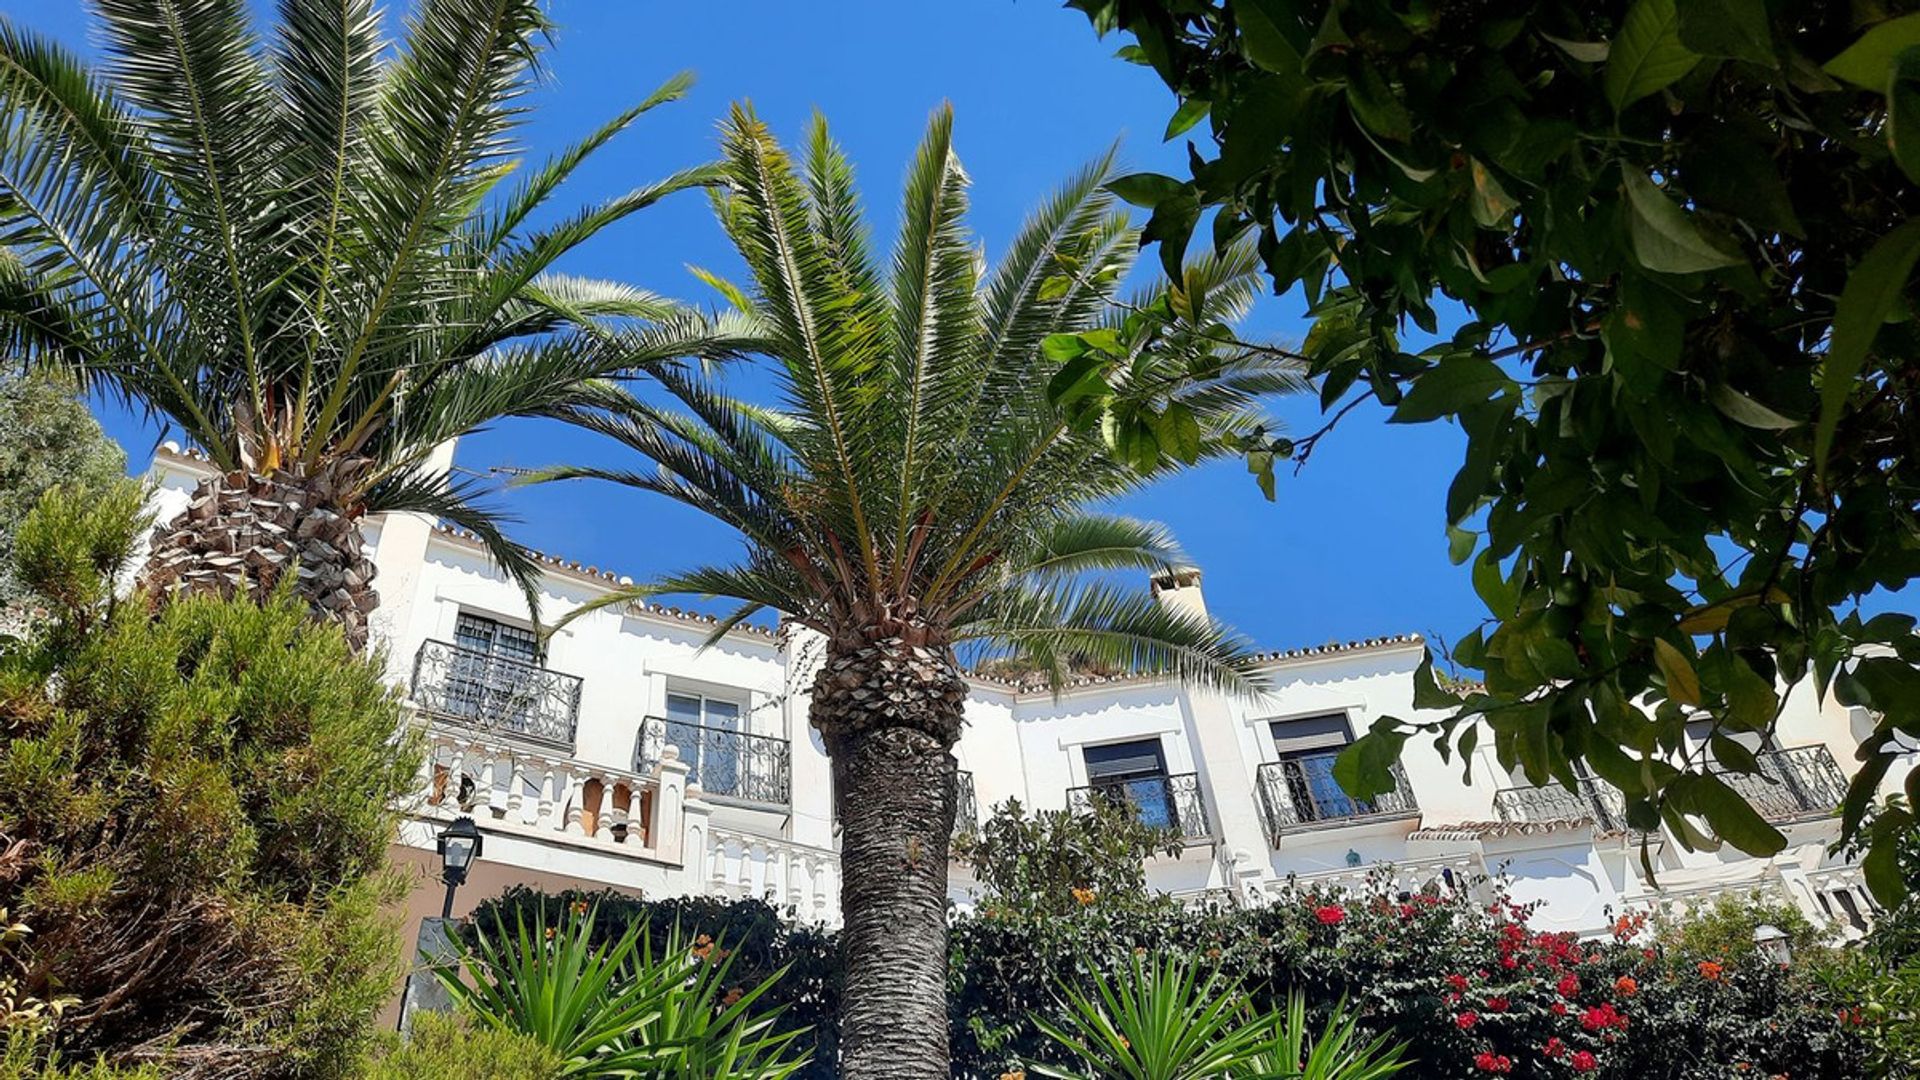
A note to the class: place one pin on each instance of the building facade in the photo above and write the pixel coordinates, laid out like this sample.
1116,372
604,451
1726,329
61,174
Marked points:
626,755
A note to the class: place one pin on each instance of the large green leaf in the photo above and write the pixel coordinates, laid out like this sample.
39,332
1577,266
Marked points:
1648,55
1454,384
1261,37
1871,297
1903,112
1735,29
1867,61
1664,238
1732,817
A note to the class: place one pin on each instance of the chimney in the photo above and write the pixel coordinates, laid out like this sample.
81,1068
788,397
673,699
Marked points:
1178,587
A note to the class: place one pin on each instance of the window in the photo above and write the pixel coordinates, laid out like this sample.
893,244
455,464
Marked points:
1306,749
488,677
1135,771
708,732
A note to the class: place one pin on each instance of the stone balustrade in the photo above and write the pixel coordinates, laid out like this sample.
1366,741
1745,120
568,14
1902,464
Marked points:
796,878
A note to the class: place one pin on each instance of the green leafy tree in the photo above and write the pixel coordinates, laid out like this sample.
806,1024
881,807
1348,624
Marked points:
1679,239
298,248
47,437
1051,861
915,491
195,807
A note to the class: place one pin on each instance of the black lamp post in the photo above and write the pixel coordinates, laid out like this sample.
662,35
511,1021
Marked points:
459,846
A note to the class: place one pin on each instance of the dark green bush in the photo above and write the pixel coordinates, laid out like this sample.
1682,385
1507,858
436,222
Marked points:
195,805
447,1048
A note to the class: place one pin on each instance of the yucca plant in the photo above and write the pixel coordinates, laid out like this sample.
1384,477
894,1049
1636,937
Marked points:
1340,1052
1170,1019
295,247
1165,1019
914,492
623,1007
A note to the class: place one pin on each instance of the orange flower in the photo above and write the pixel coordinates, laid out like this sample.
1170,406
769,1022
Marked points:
1625,986
1017,1074
1085,896
733,997
579,907
1711,971
549,933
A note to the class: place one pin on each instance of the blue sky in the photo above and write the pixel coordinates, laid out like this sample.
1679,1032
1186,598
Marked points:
1354,546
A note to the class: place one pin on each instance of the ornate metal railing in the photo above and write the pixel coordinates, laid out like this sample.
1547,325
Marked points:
1596,801
1301,793
1174,802
724,762
966,806
1802,781
490,693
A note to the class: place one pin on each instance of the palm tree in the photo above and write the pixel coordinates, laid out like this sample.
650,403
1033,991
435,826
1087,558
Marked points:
915,493
297,248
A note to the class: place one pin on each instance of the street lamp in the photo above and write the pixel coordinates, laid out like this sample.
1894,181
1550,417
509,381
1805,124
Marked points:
1772,943
459,846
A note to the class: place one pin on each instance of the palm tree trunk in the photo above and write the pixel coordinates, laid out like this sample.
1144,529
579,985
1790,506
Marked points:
890,714
243,533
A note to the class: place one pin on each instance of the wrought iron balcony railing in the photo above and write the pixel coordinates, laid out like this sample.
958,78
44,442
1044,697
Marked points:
1174,802
494,694
966,807
724,762
1596,801
1799,782
1301,793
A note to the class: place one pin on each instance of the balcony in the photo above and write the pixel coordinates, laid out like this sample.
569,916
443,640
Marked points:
1173,803
1595,801
966,806
1802,782
727,764
1300,793
495,695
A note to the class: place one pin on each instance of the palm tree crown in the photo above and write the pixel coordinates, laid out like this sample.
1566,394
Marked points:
299,249
914,482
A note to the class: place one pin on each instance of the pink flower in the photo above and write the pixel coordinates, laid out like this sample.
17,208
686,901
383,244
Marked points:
1330,915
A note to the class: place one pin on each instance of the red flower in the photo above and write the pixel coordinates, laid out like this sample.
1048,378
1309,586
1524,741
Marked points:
1497,1004
1559,1008
1406,911
1569,986
1330,915
1457,982
1509,962
1555,1049
1493,1063
1602,1017
1710,971
1584,1061
1466,1020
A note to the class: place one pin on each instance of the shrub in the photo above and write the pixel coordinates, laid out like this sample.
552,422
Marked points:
448,1048
195,806
1053,861
1462,983
666,1008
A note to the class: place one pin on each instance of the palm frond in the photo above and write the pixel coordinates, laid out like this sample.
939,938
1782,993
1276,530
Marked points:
420,491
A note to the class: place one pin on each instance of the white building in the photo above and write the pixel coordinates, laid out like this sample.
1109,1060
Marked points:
629,757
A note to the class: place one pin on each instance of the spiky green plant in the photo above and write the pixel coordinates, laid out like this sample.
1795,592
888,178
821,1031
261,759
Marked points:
296,247
621,1008
1172,1019
1165,1019
914,491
